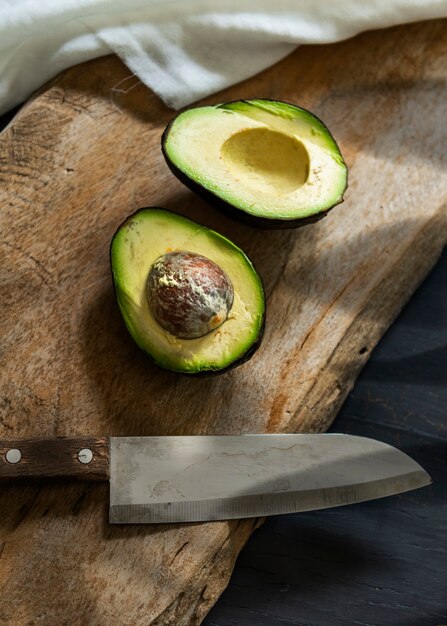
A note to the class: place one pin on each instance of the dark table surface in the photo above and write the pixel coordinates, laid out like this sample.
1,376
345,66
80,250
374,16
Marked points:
381,563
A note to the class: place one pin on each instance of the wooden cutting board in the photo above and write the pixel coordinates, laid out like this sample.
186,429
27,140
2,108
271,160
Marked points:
77,159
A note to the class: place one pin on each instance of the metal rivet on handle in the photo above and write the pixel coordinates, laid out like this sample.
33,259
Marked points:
13,456
85,455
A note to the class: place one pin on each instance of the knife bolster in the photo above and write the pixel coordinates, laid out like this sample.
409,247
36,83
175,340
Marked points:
75,458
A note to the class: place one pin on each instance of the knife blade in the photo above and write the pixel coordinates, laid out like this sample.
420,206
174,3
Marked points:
204,478
166,479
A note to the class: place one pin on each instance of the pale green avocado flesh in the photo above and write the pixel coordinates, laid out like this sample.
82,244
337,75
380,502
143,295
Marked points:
139,242
269,159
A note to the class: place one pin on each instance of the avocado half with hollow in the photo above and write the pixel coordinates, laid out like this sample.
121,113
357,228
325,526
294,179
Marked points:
269,163
190,298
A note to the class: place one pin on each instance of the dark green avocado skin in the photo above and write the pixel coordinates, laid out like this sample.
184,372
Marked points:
228,209
204,373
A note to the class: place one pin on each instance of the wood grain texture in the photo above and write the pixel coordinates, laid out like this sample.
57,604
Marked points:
381,562
55,458
76,160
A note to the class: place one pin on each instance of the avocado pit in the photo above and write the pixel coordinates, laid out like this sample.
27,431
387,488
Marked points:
188,294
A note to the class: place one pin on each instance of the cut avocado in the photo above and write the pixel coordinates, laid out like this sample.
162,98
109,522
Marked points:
146,252
266,162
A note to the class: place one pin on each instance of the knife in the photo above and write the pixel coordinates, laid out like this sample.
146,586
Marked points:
203,478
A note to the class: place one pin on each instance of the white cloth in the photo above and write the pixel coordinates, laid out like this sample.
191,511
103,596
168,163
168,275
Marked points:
182,49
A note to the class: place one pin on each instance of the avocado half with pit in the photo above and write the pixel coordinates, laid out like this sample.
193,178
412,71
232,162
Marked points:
190,298
268,163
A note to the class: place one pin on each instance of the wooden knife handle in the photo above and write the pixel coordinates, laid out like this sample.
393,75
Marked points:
75,458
